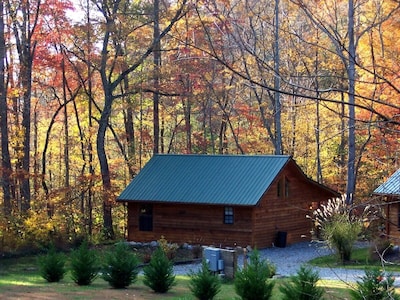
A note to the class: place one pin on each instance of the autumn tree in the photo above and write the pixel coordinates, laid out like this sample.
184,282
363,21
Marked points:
5,153
117,15
24,17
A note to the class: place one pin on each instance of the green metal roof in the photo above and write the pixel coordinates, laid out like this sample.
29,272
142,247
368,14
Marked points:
391,186
205,179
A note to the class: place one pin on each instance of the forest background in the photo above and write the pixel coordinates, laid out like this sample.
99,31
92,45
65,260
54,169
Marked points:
91,89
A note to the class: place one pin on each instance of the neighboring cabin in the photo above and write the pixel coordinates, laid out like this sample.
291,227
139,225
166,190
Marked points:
389,192
222,200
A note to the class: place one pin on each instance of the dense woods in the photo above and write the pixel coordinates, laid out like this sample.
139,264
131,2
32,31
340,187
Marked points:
90,89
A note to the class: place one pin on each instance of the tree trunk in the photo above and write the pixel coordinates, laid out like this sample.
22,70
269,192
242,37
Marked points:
5,153
104,168
351,172
90,196
23,26
277,84
26,125
157,64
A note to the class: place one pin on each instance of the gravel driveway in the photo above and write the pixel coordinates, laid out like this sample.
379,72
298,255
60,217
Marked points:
289,259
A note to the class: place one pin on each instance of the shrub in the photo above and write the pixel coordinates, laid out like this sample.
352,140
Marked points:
204,285
84,266
168,248
341,234
52,265
374,285
252,282
158,274
302,286
380,248
197,251
121,266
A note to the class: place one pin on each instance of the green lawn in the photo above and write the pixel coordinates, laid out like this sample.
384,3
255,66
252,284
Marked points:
359,260
19,278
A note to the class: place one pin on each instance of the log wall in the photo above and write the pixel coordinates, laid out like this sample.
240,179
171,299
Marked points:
194,224
392,226
287,212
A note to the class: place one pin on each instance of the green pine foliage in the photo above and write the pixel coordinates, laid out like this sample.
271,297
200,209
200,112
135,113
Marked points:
253,282
84,265
121,266
159,273
204,285
302,286
375,285
52,265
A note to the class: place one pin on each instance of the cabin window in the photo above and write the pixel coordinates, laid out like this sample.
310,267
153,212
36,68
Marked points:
279,189
283,188
146,218
228,215
287,187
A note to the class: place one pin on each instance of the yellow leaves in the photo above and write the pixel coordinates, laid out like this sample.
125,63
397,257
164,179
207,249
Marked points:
39,227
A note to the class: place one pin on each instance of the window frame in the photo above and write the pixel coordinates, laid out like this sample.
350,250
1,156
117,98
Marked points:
145,219
229,215
283,188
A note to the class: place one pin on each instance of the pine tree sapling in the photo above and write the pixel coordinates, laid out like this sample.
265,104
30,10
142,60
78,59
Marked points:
52,265
84,266
121,266
302,286
159,273
253,281
374,285
204,285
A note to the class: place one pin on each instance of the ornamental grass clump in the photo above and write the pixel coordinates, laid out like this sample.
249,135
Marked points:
159,273
302,286
84,265
121,266
253,282
336,222
375,285
341,234
52,265
204,285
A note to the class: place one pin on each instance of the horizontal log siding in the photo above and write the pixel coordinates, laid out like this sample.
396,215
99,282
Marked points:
287,214
194,224
392,225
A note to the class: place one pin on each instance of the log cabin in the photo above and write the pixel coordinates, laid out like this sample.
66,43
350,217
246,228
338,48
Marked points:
389,194
222,200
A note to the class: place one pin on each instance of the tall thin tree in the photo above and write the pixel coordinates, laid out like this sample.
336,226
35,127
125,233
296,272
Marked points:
5,153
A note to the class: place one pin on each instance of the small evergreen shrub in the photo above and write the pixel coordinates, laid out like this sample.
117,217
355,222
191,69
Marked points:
84,266
121,266
52,265
204,285
253,281
302,286
159,273
374,285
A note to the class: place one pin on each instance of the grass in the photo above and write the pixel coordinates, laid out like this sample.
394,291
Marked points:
20,279
360,259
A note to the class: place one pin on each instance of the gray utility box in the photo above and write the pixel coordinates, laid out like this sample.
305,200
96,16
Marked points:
213,259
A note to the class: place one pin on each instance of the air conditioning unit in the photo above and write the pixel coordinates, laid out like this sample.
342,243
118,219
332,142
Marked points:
213,259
